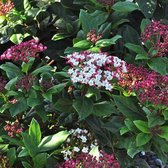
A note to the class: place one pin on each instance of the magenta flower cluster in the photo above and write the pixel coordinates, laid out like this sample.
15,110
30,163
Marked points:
6,7
157,34
95,69
148,85
84,160
23,51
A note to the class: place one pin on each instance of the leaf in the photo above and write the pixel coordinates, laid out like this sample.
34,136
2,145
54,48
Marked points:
84,107
17,38
29,145
154,120
124,130
53,90
2,19
125,7
40,160
42,69
108,42
136,48
34,98
165,114
147,7
60,36
84,44
51,142
159,65
142,126
26,66
128,106
114,125
103,109
70,50
35,132
12,83
64,105
95,19
11,70
133,151
164,132
130,125
142,57
26,165
11,154
24,152
26,4
19,107
118,23
142,139
144,23
105,29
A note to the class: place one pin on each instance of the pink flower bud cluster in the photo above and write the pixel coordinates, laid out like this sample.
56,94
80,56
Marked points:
13,128
157,34
95,69
26,82
23,51
106,2
88,161
91,36
3,83
6,7
148,85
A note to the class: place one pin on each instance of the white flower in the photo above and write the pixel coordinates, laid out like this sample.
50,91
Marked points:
109,87
91,82
70,71
92,146
68,140
76,149
85,149
83,138
85,131
78,131
66,158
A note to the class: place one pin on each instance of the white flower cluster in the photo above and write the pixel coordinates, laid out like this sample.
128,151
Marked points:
80,141
95,69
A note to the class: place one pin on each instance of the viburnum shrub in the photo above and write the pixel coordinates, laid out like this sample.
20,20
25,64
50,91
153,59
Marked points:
83,83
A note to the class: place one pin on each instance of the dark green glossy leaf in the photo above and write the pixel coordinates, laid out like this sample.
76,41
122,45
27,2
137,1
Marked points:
147,7
142,139
84,107
142,126
159,65
125,7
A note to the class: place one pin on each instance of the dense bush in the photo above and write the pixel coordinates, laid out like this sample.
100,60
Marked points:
83,83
